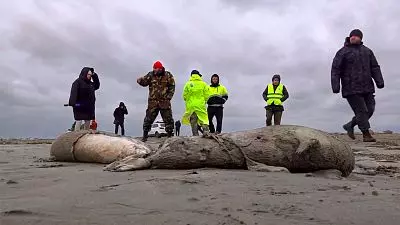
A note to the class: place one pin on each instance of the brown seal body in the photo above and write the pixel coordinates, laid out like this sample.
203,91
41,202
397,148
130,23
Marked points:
296,148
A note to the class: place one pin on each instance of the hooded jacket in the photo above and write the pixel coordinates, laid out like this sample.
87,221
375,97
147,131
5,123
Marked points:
178,124
82,97
120,112
217,93
195,95
355,68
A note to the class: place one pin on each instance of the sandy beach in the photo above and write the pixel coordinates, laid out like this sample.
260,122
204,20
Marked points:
34,190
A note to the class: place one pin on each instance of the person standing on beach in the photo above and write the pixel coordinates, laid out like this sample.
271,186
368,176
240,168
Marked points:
119,117
274,95
177,127
82,97
161,85
217,96
195,94
356,68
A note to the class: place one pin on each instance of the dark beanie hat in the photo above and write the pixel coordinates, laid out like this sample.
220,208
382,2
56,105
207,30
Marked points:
356,32
276,76
195,72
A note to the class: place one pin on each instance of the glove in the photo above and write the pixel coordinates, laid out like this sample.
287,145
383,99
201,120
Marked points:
380,86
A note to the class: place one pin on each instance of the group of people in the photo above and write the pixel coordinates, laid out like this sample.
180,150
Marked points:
197,94
354,67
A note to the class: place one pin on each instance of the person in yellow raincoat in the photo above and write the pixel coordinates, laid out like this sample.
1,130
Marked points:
195,95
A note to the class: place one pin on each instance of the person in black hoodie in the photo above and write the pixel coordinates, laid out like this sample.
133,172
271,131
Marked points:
275,94
217,96
82,97
177,127
119,117
356,68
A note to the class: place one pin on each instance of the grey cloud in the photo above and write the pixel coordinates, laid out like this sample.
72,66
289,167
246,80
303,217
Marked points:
278,6
43,52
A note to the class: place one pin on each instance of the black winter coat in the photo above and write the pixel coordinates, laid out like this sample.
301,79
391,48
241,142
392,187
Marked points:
119,114
355,67
83,93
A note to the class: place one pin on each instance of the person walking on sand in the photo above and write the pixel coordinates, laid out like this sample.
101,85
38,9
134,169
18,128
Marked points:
356,68
119,117
161,85
217,96
177,127
275,94
82,97
195,94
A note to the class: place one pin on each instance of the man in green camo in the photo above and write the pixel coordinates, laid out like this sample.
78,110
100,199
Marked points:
161,85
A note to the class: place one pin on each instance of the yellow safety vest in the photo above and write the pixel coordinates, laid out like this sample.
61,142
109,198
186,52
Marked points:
275,96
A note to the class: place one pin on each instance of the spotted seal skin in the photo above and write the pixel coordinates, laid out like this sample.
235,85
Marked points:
274,148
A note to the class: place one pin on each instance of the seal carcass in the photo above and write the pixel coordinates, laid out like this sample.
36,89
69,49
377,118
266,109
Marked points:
97,147
295,148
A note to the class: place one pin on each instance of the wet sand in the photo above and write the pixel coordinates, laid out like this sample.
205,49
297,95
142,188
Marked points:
35,191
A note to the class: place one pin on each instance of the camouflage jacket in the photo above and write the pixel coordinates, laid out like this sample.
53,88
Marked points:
161,89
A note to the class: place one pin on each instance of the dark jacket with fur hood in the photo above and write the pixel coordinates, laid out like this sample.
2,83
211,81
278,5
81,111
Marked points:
82,97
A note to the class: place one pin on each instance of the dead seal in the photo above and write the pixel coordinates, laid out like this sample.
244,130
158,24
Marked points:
95,147
274,148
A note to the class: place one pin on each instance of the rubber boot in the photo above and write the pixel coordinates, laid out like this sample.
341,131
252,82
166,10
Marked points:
350,130
194,125
145,136
206,131
367,137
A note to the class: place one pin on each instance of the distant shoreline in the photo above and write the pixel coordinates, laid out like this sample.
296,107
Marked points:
24,141
37,141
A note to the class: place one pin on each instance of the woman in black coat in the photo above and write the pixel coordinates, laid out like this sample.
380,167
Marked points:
82,97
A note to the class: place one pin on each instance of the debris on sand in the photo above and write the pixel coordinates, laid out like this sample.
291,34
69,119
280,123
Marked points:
11,182
50,165
18,212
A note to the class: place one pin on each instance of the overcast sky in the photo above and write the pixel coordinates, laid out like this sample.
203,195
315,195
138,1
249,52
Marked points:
45,43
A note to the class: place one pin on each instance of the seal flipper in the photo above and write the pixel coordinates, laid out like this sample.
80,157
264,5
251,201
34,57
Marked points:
308,145
260,167
127,164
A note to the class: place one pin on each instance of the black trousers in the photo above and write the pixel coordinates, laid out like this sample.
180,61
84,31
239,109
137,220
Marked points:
122,128
218,112
363,106
177,131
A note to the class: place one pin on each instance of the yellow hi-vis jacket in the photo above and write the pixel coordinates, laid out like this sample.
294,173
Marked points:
195,95
275,96
217,95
